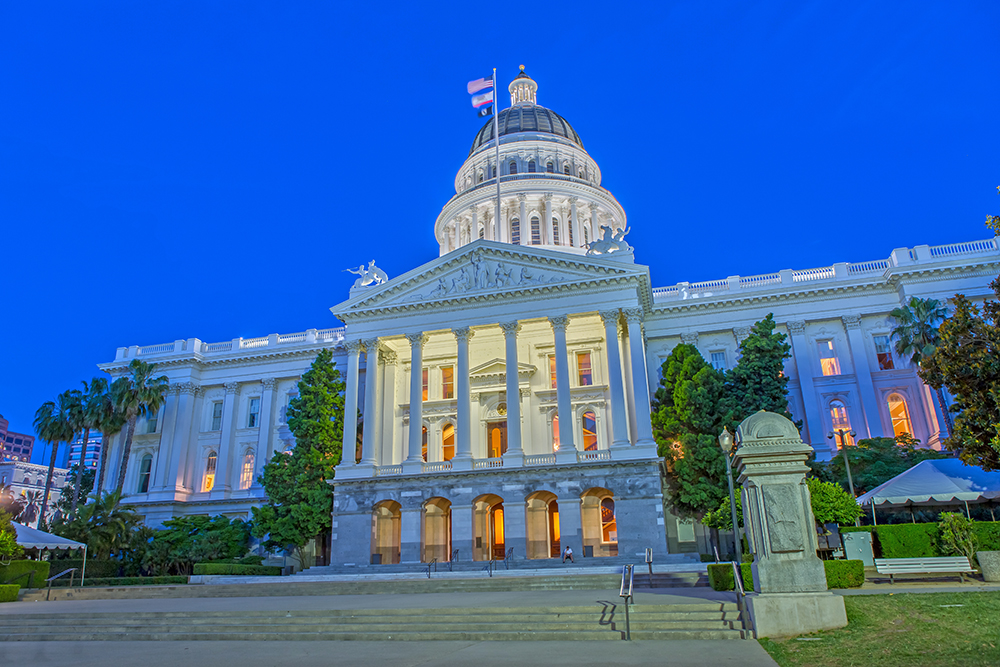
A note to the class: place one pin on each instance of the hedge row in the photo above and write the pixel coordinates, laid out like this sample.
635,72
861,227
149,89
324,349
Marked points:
120,581
244,570
920,540
720,576
95,567
844,573
8,573
8,592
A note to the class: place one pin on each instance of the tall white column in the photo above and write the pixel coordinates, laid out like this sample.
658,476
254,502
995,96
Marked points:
514,449
371,403
474,229
224,463
547,223
159,477
266,418
350,445
182,437
575,221
567,421
525,226
619,427
387,359
413,454
463,434
640,379
863,372
503,224
595,221
800,351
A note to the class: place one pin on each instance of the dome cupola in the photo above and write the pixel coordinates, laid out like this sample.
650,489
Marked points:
523,89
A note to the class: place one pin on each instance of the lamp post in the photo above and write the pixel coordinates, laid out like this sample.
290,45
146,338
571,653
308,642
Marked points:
726,444
843,450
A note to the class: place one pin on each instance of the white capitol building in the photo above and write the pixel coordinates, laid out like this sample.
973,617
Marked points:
505,385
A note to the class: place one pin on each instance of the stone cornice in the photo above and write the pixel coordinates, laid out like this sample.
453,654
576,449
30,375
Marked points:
188,360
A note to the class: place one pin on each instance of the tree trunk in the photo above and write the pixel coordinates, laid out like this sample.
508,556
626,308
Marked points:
948,421
105,448
126,450
48,485
79,472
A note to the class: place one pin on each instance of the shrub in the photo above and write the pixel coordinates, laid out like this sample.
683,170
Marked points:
96,568
8,592
956,536
121,581
844,573
908,540
987,534
857,529
8,573
720,576
244,570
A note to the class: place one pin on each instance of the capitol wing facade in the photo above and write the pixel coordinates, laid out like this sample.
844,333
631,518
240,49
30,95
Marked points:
505,385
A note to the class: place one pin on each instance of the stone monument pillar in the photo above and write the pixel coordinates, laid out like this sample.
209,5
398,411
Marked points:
790,595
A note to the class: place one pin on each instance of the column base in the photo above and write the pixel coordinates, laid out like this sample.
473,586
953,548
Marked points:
567,456
462,463
413,468
631,453
790,614
513,459
351,471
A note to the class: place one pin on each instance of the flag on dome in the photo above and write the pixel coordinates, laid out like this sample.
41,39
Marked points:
480,84
484,98
486,111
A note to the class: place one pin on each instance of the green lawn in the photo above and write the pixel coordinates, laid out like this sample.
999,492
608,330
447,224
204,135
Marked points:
905,630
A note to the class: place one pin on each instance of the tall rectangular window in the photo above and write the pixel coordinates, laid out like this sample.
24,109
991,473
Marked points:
555,231
447,382
253,413
828,358
552,371
584,371
884,352
151,420
719,361
217,416
536,232
424,384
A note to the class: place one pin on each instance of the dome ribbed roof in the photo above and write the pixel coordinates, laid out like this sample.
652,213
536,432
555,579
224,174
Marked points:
527,118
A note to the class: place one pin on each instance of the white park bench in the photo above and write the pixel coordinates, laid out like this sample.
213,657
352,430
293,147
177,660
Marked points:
951,565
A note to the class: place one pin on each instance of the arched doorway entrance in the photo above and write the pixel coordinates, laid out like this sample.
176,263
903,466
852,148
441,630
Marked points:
385,532
436,531
600,525
543,525
488,527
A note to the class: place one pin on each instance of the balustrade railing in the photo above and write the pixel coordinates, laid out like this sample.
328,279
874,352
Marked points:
382,471
251,343
539,459
809,275
219,347
156,349
320,336
487,463
601,455
438,466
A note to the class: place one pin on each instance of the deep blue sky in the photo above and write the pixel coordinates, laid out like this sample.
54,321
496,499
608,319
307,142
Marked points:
207,169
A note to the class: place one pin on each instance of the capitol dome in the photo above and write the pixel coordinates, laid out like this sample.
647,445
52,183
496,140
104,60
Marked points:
527,118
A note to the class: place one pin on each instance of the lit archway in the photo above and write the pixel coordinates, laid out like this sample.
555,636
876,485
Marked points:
488,527
436,533
899,412
542,524
386,517
600,524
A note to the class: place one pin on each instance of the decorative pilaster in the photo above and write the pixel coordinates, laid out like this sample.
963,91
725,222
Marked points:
161,473
741,333
387,360
514,449
619,425
224,464
640,379
595,220
463,431
413,453
350,444
863,373
800,352
370,428
263,454
474,230
525,227
547,223
567,421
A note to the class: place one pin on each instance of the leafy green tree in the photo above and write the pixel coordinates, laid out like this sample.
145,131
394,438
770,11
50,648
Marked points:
687,420
140,395
106,526
299,499
967,362
758,381
84,486
9,548
829,502
108,421
54,422
956,536
916,334
874,461
187,540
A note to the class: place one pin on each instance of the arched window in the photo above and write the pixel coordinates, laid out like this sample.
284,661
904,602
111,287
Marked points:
210,472
145,468
480,177
589,431
566,169
555,231
531,166
536,231
609,525
586,236
899,412
840,421
555,433
448,442
570,232
549,168
482,232
246,474
579,173
512,168
515,231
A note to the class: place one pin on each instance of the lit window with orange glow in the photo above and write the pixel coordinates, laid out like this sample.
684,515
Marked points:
589,431
555,433
552,372
828,358
609,526
899,412
448,442
585,372
840,420
424,384
210,472
447,382
423,445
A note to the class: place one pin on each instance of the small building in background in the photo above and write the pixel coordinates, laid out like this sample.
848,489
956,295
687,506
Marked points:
91,452
14,446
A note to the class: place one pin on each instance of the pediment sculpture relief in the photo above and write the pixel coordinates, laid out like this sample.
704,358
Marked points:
482,274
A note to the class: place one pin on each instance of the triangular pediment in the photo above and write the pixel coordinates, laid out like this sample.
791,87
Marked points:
485,269
498,367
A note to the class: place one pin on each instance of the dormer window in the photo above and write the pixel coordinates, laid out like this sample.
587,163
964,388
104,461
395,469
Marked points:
549,168
512,168
531,167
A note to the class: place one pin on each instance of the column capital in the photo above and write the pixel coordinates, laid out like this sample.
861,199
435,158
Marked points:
796,327
463,334
573,200
522,197
510,328
559,322
594,207
187,387
634,314
416,339
174,389
473,210
690,338
852,321
371,345
387,357
353,346
232,388
609,316
268,383
547,196
741,333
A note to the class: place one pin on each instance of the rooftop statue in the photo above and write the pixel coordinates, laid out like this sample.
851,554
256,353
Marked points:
369,276
611,241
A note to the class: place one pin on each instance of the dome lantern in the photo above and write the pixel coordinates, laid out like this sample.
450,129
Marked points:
522,89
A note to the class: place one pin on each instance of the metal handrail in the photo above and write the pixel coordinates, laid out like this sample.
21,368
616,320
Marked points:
649,562
491,565
433,563
72,576
508,558
627,571
741,599
31,578
452,559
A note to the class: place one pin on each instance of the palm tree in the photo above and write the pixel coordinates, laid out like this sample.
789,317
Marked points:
108,421
32,500
87,404
139,395
916,334
54,422
10,503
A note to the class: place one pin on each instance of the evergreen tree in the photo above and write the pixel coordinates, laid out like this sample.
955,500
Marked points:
758,381
299,499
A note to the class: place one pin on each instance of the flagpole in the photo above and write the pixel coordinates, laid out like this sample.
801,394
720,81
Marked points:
496,137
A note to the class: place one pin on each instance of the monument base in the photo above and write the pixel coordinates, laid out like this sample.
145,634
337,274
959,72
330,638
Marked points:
790,614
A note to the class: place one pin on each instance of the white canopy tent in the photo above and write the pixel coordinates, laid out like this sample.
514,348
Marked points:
32,538
935,482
